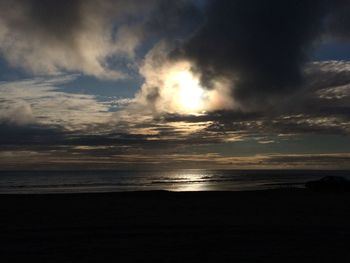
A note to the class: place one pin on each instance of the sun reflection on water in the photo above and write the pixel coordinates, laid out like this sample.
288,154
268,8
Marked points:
196,180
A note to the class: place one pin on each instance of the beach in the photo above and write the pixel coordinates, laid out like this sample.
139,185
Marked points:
286,225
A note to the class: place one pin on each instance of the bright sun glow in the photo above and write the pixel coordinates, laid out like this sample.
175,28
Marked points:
186,91
190,92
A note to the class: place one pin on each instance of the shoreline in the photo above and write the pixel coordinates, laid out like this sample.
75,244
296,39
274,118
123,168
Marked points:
155,192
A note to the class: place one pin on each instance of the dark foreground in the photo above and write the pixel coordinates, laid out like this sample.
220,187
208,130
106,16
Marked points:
264,226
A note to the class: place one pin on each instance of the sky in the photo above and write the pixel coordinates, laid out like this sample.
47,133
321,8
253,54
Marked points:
159,84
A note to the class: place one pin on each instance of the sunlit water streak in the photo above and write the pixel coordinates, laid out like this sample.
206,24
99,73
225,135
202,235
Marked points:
176,180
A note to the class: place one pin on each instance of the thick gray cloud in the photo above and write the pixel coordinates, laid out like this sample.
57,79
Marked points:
338,22
261,46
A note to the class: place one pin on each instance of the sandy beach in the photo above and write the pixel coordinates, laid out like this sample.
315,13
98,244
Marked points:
289,225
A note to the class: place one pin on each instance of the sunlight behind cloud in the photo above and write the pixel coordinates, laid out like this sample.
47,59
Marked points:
174,86
188,94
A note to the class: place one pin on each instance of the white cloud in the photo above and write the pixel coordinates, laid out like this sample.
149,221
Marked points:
40,101
339,92
19,113
80,35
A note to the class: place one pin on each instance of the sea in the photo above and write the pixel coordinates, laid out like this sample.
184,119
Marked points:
82,181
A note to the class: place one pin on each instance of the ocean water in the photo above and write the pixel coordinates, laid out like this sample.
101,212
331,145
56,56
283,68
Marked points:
15,182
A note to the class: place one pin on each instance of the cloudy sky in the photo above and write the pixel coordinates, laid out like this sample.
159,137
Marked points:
123,84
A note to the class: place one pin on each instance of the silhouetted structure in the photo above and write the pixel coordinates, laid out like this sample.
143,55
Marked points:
329,183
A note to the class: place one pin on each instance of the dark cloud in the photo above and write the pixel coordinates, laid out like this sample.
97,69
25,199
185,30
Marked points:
220,116
311,159
261,46
174,19
21,135
58,19
338,22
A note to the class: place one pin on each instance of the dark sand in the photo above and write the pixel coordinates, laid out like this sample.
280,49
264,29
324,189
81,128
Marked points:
262,226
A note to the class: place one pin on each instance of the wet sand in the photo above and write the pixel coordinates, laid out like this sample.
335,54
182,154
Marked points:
289,225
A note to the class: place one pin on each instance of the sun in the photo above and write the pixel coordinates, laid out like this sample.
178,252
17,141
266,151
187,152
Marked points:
186,91
190,91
